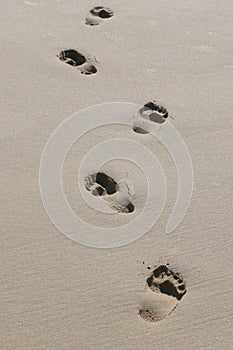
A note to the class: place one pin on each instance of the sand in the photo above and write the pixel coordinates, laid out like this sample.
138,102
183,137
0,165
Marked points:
56,293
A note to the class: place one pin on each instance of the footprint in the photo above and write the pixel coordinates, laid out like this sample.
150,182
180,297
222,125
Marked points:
98,15
100,184
164,290
118,195
149,115
77,60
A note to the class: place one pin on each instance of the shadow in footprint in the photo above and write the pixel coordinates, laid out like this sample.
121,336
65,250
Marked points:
76,59
106,182
98,15
118,197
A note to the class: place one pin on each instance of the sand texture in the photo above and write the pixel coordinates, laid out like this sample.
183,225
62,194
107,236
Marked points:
57,294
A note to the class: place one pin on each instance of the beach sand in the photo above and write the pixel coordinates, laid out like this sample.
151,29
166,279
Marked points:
56,293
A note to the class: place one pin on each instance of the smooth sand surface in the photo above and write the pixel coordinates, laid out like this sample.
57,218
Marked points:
55,293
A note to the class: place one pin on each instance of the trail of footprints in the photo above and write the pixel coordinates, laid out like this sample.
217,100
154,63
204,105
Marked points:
164,290
74,58
164,287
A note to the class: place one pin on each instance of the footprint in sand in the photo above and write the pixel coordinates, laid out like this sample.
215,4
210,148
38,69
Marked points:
148,116
118,195
98,15
77,60
163,292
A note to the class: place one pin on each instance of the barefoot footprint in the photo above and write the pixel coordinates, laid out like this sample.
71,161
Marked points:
149,115
98,15
163,292
118,195
77,60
